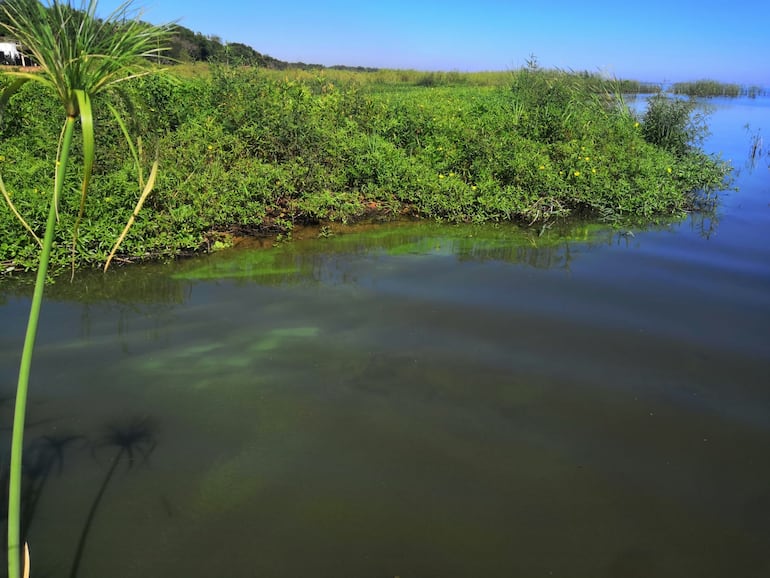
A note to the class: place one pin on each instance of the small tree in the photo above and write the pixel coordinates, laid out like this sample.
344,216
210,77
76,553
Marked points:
80,56
673,124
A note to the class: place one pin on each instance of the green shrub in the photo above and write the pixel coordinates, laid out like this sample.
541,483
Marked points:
673,124
248,149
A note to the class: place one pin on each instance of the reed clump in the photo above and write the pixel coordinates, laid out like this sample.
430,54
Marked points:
707,88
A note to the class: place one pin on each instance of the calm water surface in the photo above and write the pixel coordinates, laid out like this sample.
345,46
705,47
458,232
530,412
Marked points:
415,401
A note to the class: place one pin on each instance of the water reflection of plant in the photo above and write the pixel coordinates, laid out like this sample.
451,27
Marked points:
705,222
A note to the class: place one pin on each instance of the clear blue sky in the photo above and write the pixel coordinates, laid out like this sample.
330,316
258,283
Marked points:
652,40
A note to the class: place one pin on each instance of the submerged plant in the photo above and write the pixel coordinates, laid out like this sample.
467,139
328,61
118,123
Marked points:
80,56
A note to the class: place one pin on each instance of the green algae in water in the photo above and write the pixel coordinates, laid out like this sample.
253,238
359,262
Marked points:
208,364
230,484
265,264
277,337
297,260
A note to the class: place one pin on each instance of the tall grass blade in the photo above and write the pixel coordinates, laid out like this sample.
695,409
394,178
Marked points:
142,198
87,126
16,213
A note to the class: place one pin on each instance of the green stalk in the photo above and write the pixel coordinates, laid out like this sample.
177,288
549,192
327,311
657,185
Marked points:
17,441
79,57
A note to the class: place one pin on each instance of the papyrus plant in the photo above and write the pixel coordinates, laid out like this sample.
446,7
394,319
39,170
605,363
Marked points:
79,56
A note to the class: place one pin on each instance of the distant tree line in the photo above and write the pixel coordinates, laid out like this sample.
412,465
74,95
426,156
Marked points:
189,46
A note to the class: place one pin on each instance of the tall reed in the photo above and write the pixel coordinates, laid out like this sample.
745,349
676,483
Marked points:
80,56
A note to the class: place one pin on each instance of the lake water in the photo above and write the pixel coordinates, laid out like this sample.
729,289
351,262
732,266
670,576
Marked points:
415,401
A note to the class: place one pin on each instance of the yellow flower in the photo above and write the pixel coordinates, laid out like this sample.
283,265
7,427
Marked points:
440,176
541,167
2,158
636,125
593,171
473,187
577,173
588,158
211,148
668,170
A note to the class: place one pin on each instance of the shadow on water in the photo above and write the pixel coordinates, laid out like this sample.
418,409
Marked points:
129,442
42,458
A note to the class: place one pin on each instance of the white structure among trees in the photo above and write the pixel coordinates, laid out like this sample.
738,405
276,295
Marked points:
10,54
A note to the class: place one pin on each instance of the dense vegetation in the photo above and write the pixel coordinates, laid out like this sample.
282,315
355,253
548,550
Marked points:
244,150
709,88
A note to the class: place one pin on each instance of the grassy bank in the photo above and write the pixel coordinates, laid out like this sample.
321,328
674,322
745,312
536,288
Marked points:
252,151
